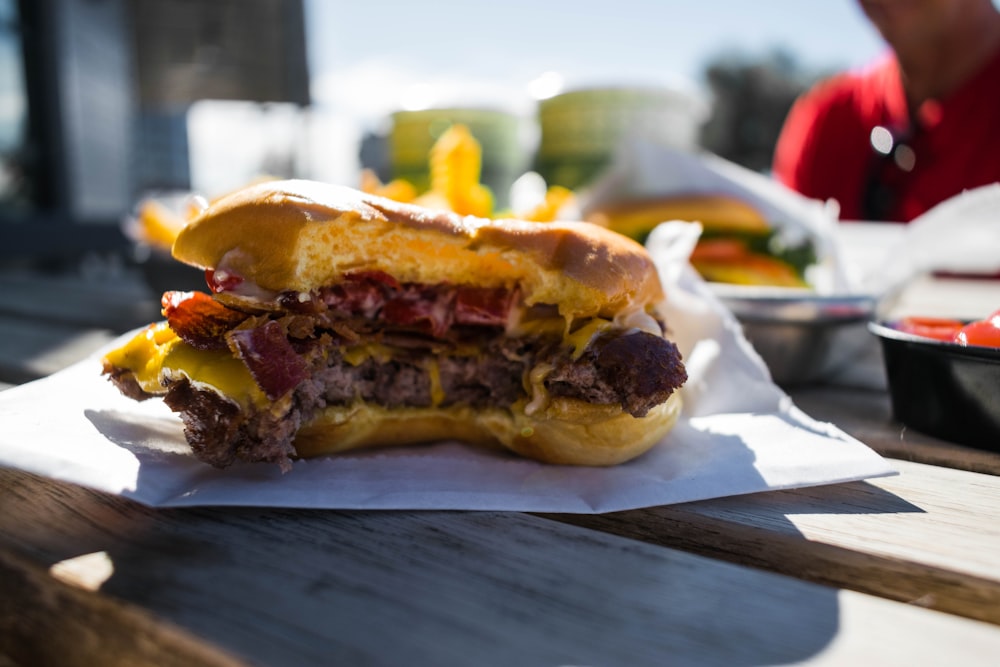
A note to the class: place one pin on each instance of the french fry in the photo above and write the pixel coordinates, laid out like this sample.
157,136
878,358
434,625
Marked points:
455,163
556,198
397,189
157,225
455,166
369,181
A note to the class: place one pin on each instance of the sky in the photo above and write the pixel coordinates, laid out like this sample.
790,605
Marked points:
368,58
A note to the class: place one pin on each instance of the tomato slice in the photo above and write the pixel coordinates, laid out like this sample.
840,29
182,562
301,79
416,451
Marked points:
719,250
985,333
938,328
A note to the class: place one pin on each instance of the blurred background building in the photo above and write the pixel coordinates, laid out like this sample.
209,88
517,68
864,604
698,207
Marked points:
95,97
104,101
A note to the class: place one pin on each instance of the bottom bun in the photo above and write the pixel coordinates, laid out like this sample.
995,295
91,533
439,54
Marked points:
567,432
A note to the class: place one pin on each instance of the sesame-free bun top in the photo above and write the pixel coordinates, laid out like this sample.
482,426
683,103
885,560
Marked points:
302,235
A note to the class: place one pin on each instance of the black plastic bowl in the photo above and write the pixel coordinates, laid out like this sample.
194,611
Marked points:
943,389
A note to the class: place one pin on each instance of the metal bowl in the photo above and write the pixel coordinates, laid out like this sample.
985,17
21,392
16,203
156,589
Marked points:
803,337
946,390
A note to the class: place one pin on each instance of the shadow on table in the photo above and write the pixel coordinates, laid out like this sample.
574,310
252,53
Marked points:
297,586
793,609
393,587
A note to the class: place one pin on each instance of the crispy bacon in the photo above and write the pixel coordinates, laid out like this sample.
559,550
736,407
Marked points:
380,277
222,281
198,319
355,297
483,305
270,358
301,303
435,308
428,309
269,347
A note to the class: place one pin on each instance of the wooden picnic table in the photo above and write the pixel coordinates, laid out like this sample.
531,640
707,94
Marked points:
898,570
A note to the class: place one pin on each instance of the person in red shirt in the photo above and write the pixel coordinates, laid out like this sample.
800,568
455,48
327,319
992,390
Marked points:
916,127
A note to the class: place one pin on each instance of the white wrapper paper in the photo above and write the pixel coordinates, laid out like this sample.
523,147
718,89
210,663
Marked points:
651,170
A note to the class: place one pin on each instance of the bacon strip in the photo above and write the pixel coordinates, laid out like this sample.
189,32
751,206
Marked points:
270,358
380,277
355,298
483,305
421,308
268,352
198,319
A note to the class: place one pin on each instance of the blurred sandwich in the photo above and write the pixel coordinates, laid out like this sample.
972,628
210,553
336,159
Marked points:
738,244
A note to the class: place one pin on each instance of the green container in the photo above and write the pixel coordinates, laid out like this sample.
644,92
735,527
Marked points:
414,133
582,129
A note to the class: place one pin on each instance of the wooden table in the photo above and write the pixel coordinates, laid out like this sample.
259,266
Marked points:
899,571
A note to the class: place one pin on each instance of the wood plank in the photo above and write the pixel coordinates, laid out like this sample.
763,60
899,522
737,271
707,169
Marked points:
33,349
65,625
928,536
867,415
118,302
49,321
309,587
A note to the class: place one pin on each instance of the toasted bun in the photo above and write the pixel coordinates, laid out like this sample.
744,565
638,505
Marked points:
302,235
566,432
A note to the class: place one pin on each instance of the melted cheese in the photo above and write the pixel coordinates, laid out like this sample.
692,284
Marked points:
215,369
537,392
554,326
156,356
144,354
580,339
437,391
523,324
358,354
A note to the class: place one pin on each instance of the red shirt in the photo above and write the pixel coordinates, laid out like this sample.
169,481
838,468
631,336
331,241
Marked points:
825,149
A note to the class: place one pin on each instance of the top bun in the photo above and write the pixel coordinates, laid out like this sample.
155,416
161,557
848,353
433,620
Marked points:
302,235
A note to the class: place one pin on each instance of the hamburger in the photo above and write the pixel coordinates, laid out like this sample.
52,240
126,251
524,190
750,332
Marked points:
336,320
738,245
